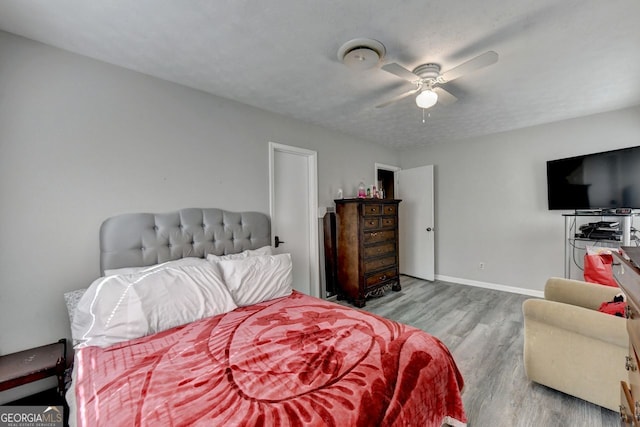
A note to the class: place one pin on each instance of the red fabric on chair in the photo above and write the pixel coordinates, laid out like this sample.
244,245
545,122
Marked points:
598,269
614,308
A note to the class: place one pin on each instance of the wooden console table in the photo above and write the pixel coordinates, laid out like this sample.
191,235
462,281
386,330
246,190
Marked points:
627,273
34,364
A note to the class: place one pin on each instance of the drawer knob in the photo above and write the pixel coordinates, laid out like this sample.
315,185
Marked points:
629,365
384,276
374,234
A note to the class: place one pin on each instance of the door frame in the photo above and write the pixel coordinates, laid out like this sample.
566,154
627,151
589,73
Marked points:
312,179
381,166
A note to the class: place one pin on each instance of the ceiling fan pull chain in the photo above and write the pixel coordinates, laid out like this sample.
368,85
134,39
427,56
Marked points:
423,113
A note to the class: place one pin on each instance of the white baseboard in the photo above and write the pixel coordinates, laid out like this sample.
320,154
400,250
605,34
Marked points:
494,286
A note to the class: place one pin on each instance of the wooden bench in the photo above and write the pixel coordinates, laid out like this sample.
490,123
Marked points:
34,364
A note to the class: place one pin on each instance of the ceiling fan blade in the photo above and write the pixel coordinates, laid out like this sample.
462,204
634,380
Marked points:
474,64
400,71
398,98
444,97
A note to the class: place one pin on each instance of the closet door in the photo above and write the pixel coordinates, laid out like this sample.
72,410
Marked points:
417,236
293,208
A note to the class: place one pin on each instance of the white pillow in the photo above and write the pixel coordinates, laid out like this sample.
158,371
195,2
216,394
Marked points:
265,250
125,270
123,307
258,278
133,270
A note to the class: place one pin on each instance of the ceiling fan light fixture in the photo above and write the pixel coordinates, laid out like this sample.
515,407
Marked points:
426,99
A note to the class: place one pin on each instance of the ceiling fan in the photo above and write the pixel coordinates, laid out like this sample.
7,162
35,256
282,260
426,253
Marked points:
429,80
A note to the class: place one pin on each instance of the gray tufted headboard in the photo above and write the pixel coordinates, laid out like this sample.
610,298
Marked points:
141,239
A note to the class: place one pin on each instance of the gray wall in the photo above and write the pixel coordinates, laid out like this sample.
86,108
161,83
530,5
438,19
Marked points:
491,198
82,140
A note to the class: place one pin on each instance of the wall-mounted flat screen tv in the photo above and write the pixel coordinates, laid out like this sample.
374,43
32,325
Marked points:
606,180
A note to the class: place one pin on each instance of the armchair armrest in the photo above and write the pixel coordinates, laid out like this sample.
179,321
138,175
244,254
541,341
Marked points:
576,292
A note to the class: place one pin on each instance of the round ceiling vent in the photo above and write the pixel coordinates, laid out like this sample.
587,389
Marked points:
361,54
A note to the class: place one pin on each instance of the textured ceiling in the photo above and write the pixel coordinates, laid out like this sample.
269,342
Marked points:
558,59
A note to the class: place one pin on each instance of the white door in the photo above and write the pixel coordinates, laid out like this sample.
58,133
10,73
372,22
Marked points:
293,206
416,233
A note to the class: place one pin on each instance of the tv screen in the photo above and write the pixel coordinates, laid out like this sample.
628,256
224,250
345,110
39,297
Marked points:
606,180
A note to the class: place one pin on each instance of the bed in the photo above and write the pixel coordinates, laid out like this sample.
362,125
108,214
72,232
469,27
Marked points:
194,322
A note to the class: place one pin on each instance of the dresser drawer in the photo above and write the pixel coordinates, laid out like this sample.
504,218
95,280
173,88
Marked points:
379,236
380,250
378,278
372,222
389,209
377,264
371,210
389,222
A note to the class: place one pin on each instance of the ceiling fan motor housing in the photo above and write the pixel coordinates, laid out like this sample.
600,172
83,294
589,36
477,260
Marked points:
428,72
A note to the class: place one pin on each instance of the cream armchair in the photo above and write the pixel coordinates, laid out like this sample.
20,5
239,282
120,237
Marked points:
572,347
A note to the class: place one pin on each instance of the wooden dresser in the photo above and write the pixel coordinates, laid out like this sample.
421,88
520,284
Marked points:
367,248
628,276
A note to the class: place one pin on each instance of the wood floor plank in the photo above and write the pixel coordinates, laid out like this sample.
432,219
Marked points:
483,329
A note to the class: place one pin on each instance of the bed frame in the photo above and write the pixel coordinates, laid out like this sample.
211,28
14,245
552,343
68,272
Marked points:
141,239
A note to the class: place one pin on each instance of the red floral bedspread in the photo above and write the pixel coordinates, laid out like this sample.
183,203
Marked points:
295,361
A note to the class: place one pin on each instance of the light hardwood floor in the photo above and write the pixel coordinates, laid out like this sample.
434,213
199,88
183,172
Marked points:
483,330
